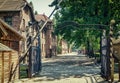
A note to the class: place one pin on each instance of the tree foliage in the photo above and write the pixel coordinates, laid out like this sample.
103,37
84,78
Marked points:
36,12
85,12
31,4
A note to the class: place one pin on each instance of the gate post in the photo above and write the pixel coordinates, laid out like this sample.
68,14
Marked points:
111,51
39,52
30,60
104,60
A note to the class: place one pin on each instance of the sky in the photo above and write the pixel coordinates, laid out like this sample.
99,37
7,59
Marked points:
41,6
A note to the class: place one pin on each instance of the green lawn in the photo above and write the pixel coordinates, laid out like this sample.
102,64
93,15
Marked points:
23,72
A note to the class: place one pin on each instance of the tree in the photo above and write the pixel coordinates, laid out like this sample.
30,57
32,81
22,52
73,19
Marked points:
85,12
31,4
36,12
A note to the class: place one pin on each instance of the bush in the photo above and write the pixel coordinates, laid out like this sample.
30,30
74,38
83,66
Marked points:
97,54
59,49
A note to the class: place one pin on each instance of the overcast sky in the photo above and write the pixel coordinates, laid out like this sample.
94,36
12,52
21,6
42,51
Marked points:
41,6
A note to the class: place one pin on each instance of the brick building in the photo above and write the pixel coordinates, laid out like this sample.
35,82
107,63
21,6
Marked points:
20,17
48,38
17,16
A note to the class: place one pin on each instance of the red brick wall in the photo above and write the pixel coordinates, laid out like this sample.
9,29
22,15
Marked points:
15,18
64,46
48,43
16,21
43,52
19,22
9,41
49,40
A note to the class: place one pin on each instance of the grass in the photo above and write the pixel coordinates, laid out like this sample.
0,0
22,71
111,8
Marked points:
23,72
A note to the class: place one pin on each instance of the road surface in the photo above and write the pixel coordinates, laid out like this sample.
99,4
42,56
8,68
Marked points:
67,68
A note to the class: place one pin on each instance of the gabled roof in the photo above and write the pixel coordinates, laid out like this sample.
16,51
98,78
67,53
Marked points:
4,48
11,5
4,27
42,17
15,5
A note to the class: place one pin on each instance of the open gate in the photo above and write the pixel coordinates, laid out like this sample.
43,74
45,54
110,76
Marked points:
104,58
36,63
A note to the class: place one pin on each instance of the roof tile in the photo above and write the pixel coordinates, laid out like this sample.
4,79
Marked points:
41,17
11,5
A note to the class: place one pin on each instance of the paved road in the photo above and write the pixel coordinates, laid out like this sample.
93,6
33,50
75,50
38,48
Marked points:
69,68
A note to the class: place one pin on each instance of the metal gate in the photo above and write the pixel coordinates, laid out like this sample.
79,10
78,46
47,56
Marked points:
36,60
104,57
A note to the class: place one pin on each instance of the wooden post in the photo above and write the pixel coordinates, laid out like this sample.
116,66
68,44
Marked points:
30,60
119,70
10,68
39,51
2,67
103,53
10,75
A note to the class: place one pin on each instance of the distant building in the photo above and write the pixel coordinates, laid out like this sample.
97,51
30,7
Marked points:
64,47
48,38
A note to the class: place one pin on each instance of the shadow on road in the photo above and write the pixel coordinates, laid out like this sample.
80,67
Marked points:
68,66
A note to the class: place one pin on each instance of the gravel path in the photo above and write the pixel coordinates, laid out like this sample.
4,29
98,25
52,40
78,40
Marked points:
69,68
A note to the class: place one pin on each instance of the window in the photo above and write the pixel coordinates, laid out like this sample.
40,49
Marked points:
8,19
